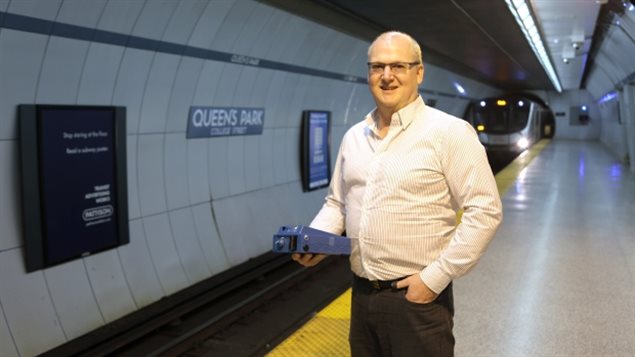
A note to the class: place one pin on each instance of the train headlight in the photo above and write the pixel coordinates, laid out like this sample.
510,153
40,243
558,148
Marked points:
523,143
480,127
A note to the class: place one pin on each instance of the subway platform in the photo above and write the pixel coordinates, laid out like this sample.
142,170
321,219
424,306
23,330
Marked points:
557,280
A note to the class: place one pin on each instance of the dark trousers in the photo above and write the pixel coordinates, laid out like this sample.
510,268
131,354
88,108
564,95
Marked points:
384,323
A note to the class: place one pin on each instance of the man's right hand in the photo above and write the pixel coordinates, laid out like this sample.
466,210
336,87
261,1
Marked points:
308,260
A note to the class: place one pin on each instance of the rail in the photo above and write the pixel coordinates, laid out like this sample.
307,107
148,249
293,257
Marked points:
178,323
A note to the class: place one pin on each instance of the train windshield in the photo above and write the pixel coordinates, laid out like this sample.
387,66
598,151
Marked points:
502,119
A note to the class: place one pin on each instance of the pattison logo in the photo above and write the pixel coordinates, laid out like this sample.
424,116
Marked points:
90,214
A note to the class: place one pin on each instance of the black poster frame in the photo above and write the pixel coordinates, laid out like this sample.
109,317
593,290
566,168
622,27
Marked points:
307,151
31,170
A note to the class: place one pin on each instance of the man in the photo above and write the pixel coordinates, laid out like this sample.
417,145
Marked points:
400,177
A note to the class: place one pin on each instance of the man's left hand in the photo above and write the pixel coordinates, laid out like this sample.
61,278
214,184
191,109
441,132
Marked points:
417,291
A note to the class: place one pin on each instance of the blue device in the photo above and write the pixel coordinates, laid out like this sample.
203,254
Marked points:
303,239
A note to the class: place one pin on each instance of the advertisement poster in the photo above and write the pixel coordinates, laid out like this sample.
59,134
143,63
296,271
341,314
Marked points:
318,150
77,168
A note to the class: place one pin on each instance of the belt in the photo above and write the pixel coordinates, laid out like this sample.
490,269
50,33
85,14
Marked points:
377,284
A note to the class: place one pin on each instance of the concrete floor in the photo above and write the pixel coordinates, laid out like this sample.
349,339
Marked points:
559,277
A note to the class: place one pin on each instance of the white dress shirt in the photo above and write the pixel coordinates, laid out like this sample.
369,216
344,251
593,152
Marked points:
397,198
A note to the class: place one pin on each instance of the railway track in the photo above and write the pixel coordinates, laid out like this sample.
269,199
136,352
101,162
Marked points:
244,311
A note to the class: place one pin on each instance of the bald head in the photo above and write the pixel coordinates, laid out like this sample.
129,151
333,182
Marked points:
391,37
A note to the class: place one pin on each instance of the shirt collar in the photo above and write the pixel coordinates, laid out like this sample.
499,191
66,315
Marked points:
403,117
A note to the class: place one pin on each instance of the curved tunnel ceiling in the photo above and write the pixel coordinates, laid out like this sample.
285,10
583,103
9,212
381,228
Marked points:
475,38
462,35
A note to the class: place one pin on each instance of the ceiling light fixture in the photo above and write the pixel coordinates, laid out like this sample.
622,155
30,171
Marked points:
521,12
459,88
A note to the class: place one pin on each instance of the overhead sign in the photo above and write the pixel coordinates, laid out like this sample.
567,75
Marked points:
205,122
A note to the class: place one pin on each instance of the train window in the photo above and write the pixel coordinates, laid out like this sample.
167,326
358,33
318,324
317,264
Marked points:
519,117
494,118
502,118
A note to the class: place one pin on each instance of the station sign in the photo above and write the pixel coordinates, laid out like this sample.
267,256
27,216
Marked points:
205,122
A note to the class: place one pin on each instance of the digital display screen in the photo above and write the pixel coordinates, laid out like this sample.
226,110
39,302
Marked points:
74,169
315,149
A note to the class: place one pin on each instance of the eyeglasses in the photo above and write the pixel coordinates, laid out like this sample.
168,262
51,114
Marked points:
395,67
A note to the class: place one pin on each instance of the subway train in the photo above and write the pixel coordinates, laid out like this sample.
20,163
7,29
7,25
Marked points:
510,123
